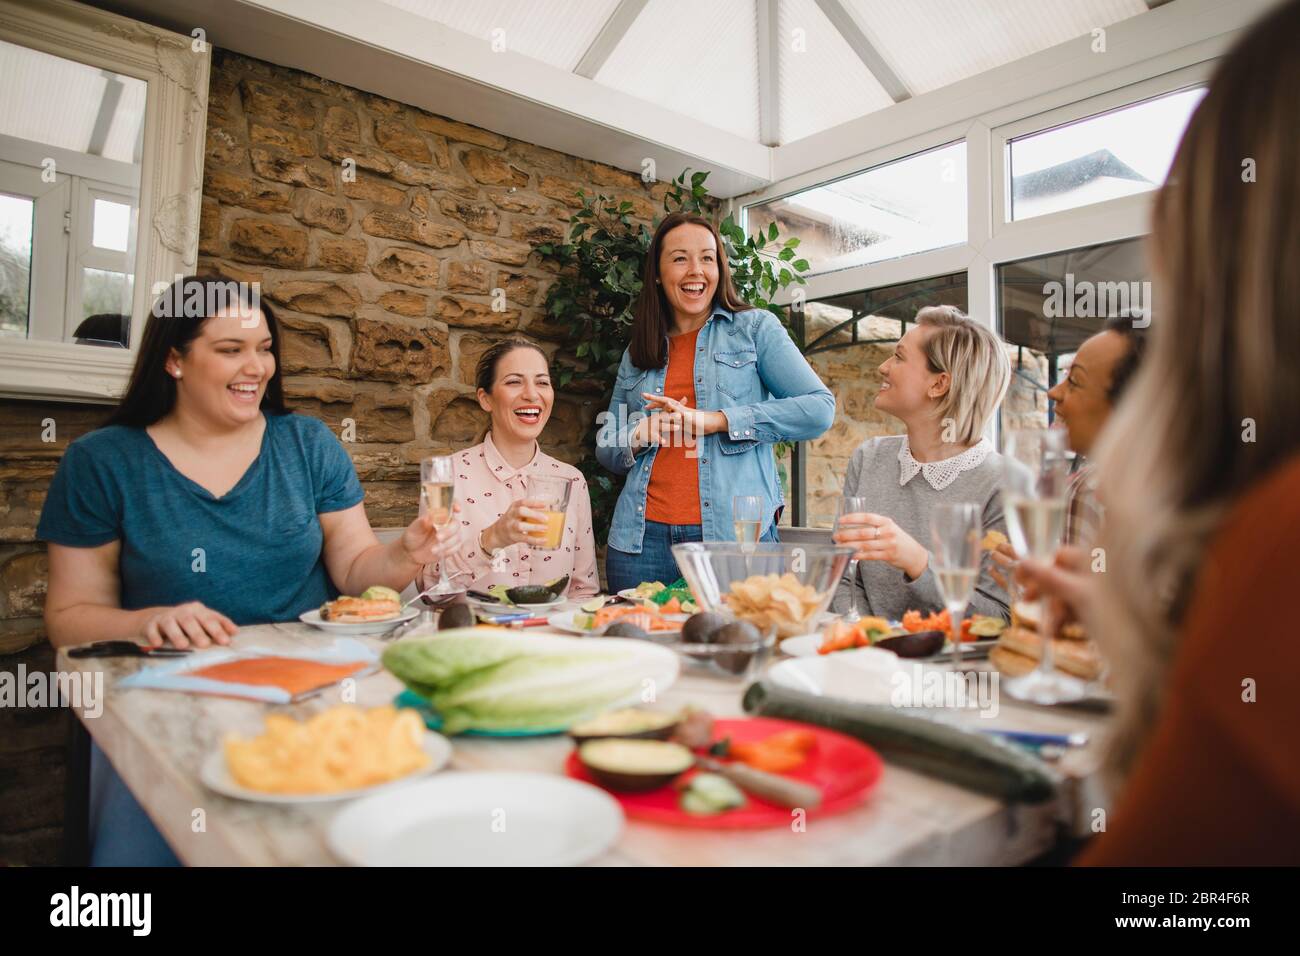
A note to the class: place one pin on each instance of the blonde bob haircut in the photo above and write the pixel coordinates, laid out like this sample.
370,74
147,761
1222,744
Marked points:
976,364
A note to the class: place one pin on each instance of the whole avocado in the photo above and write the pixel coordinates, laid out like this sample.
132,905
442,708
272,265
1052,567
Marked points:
700,628
458,615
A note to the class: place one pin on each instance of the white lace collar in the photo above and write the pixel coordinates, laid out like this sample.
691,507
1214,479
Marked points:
940,474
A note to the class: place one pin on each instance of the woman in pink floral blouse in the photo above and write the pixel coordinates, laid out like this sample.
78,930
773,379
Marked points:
498,517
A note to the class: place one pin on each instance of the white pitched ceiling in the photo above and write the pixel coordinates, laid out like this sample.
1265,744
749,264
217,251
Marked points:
932,43
697,58
821,81
552,31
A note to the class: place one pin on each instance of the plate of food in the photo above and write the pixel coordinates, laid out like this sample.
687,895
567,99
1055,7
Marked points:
620,620
916,636
375,611
1020,647
527,597
337,754
675,598
746,773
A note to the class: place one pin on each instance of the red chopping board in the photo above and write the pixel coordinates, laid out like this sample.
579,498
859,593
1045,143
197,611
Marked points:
844,769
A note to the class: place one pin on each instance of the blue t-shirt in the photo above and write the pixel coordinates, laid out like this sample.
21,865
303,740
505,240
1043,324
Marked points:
254,554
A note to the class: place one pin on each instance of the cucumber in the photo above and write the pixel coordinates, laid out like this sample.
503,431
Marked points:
976,761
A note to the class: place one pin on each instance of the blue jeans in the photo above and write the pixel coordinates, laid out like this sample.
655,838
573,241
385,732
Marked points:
656,561
121,833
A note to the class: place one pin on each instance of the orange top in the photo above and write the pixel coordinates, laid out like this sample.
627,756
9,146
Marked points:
1218,782
673,496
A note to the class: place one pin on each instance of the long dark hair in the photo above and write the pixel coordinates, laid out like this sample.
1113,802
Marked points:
175,321
652,316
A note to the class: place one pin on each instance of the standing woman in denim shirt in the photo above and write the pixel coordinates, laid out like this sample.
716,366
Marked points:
705,388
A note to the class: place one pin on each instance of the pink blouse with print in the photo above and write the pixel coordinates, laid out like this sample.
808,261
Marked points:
486,485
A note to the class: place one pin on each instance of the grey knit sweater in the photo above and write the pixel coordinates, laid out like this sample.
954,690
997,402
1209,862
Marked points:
884,590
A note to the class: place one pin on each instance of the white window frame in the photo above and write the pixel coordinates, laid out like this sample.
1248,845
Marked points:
84,254
1115,101
171,180
991,241
45,311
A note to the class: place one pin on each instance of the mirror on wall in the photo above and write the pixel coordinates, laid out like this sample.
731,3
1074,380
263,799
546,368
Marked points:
71,139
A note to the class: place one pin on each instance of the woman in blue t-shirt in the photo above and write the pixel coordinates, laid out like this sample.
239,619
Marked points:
204,504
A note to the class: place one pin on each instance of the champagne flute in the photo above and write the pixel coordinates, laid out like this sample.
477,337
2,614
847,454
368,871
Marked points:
437,494
955,532
1035,486
850,507
747,518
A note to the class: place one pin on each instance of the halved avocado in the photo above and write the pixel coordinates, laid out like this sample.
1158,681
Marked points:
920,644
630,723
530,594
557,586
635,766
626,629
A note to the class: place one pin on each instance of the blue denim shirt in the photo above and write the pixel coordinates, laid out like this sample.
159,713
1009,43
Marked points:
746,366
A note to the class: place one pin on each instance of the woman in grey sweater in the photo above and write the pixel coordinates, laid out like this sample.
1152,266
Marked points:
946,377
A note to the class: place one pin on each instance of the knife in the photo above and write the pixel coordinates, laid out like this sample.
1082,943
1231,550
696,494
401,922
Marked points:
126,649
770,786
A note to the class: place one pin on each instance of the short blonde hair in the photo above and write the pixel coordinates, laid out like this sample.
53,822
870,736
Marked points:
976,363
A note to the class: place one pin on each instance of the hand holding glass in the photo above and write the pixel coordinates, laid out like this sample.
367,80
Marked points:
554,494
1035,487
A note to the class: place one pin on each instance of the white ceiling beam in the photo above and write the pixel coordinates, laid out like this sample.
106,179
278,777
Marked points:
609,37
866,51
769,65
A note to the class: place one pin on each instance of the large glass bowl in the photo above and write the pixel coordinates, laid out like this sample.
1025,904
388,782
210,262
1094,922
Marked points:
712,568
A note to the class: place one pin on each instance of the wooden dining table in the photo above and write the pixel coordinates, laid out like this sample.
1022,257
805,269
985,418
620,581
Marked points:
157,741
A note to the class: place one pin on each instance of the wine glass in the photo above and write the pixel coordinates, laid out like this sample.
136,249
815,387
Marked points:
747,518
437,494
955,532
851,506
1035,486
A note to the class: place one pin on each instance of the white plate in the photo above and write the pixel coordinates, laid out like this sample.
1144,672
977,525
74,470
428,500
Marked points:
358,630
865,674
805,645
480,819
563,621
506,606
216,776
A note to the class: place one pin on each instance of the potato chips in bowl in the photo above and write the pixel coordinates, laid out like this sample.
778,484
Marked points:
784,587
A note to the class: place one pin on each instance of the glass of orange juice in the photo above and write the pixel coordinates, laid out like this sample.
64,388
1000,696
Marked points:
554,493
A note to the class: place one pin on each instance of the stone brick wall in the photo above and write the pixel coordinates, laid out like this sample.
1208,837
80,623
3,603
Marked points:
383,235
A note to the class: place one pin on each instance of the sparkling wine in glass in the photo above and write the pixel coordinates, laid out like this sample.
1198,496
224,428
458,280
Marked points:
955,532
437,494
850,512
1035,488
747,518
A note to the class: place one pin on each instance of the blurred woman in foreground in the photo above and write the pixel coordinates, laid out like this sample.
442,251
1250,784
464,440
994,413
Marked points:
1200,474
